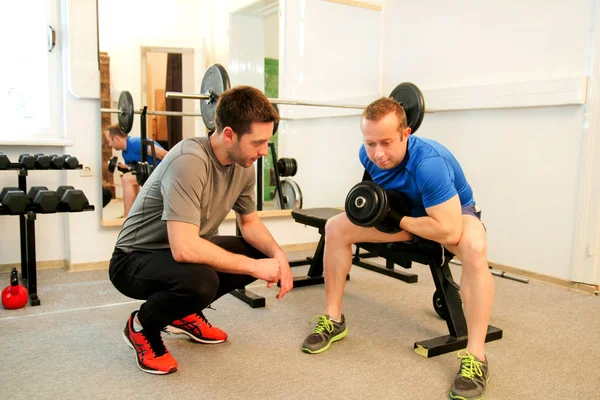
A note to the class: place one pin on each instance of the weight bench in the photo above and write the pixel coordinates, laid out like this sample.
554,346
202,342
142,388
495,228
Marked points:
447,301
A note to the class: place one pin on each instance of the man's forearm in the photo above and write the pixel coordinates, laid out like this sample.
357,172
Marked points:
202,251
259,237
428,228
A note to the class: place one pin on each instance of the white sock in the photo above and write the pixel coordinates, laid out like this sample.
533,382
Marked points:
335,320
137,327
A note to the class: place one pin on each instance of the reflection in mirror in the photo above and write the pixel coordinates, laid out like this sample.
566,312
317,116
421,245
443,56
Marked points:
146,48
254,61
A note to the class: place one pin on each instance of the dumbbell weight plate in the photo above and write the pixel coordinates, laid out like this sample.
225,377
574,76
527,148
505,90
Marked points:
60,192
70,162
142,172
112,164
287,166
15,201
42,161
46,201
56,162
366,204
4,161
27,161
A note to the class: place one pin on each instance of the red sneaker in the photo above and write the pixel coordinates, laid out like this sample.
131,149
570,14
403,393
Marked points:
197,328
151,354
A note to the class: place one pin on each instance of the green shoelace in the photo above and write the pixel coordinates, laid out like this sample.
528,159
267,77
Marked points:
323,324
470,367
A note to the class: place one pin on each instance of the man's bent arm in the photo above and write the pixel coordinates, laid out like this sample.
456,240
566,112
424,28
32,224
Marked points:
188,247
443,224
258,236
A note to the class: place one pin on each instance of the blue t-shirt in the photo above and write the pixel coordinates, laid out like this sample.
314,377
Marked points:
429,175
133,154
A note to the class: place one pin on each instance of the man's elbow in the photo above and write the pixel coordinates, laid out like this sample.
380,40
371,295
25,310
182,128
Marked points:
180,254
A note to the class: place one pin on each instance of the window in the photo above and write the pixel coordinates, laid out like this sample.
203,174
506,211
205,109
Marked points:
31,76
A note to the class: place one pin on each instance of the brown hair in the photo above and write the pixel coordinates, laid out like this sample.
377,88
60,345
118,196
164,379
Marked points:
114,130
240,106
382,107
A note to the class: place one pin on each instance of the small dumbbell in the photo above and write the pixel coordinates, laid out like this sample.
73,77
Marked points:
14,199
42,161
56,162
113,164
70,162
4,161
27,161
44,200
71,199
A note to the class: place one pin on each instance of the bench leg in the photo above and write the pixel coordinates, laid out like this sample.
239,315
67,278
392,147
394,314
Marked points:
252,299
446,344
403,276
451,308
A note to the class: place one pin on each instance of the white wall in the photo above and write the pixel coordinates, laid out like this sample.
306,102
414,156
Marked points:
272,36
247,51
320,63
523,164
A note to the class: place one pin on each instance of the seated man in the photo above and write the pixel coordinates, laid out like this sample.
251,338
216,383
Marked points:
131,151
167,252
443,211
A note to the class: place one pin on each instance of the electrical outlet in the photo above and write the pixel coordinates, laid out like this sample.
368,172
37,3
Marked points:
86,171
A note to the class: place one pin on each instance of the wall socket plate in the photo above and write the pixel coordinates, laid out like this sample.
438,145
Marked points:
86,171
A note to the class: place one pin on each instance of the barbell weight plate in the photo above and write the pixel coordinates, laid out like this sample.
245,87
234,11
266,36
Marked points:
291,194
126,111
214,82
366,204
411,98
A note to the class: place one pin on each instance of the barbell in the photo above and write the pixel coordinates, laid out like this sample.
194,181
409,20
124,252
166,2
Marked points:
126,112
216,81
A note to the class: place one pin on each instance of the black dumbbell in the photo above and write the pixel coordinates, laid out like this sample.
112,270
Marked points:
370,205
113,164
44,200
287,166
27,161
56,162
42,161
71,199
143,170
14,199
70,162
4,161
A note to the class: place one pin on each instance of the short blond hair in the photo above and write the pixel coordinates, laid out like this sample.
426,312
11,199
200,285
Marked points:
382,107
114,130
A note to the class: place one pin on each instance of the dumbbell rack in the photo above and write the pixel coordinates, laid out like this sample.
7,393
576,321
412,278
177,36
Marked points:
27,233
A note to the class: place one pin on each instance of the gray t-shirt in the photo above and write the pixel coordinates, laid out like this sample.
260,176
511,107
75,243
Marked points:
189,185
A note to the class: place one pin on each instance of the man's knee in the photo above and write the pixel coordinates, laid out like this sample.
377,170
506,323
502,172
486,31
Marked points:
129,179
474,250
337,228
202,283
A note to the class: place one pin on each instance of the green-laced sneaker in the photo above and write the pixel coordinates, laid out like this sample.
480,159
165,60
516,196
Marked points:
471,381
326,332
